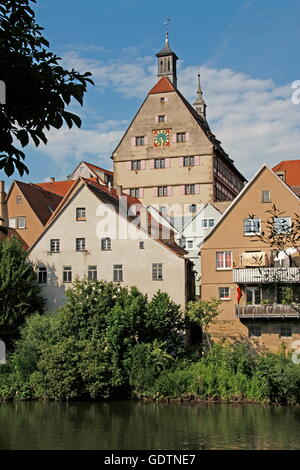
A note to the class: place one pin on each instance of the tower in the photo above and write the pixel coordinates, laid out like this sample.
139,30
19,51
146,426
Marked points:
199,104
167,63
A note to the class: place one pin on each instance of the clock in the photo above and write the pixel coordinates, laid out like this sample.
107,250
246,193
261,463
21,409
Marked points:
161,137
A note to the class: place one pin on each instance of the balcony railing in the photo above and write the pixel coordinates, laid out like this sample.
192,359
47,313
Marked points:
267,311
266,275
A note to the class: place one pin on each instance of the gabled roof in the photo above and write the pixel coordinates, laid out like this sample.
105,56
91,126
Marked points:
98,168
107,196
42,202
241,194
57,187
162,86
292,171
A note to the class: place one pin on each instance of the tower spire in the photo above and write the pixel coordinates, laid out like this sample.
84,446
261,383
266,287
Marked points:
199,104
167,61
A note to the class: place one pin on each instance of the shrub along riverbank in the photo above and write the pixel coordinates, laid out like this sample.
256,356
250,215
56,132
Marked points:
110,342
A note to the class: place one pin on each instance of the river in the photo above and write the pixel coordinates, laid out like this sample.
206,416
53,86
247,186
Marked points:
125,425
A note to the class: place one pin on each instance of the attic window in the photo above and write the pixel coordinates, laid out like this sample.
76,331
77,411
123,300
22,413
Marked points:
19,199
162,100
266,196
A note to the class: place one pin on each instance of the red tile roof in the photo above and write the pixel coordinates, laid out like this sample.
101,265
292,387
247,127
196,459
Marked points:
57,187
42,202
292,171
98,168
163,86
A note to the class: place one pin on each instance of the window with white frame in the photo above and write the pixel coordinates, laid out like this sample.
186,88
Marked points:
21,222
42,275
252,226
118,273
54,245
193,208
188,161
140,140
157,271
80,213
106,244
224,293
190,244
208,223
19,199
266,196
67,274
224,259
92,273
80,244
282,224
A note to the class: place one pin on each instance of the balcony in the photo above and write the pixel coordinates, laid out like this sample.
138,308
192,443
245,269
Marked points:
266,275
267,311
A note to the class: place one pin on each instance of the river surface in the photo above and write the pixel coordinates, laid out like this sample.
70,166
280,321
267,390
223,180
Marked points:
125,425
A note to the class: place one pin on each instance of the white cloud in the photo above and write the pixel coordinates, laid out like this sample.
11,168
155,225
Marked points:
255,119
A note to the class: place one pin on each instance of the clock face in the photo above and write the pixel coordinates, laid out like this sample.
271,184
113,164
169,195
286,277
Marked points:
161,137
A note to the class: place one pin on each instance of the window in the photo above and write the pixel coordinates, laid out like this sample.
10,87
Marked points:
142,245
80,213
189,189
105,244
159,163
182,243
19,199
134,192
224,259
190,244
282,224
92,273
67,274
188,161
224,293
193,208
252,226
253,295
157,272
118,273
208,223
162,191
265,196
161,118
54,246
254,330
285,332
12,222
162,100
42,275
80,244
136,165
139,140
180,137
21,222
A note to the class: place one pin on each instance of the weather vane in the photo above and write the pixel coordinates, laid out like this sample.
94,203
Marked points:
166,23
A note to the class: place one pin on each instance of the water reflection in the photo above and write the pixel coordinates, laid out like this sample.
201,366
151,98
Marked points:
130,425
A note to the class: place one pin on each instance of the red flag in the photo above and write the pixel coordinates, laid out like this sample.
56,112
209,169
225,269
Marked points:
239,294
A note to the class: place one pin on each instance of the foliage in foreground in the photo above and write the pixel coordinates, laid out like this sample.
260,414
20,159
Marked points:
90,347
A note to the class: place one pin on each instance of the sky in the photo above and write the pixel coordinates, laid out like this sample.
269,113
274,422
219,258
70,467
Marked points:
247,51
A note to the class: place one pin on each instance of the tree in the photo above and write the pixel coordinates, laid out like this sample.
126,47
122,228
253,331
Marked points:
19,292
38,88
202,313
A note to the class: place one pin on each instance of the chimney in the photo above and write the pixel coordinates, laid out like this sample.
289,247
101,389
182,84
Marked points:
52,179
3,206
119,190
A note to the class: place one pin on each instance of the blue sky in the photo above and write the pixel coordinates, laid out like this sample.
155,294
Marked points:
246,49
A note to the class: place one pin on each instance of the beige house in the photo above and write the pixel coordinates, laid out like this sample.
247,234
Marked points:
89,170
99,233
252,280
169,157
